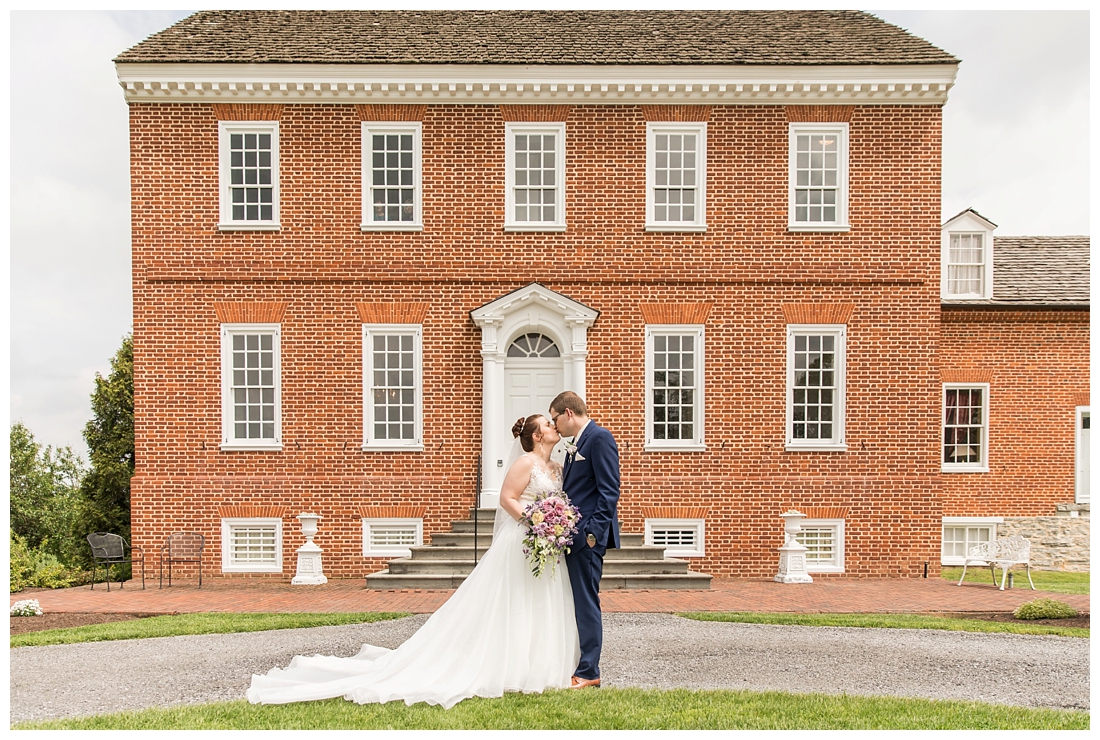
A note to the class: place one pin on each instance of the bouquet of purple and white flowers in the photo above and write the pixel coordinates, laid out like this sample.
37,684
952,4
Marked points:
551,522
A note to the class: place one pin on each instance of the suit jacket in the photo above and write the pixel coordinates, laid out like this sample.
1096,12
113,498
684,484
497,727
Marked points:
591,481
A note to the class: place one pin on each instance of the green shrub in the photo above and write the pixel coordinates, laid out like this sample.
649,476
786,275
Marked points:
39,568
1044,609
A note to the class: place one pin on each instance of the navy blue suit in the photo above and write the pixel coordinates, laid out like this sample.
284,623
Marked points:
591,481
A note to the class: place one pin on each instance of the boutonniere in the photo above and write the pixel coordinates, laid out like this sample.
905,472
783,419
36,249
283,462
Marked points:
571,450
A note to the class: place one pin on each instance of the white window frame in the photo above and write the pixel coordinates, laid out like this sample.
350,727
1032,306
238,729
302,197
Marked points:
837,525
510,131
1081,457
841,222
370,443
838,442
229,441
697,443
986,266
699,525
967,467
967,521
225,130
400,552
372,128
653,129
229,566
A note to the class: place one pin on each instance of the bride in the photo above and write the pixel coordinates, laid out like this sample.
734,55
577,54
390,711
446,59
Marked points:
502,630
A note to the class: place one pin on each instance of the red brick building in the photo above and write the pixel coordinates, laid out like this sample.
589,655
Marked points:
1015,368
365,242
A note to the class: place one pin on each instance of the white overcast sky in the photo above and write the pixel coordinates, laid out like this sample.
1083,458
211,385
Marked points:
1016,148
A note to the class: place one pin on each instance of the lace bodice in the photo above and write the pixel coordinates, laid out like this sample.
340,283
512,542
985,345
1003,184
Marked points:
542,482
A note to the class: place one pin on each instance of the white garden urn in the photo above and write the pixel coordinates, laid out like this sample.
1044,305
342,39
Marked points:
309,555
792,555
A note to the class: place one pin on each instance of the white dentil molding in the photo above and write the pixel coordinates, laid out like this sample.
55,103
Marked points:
924,84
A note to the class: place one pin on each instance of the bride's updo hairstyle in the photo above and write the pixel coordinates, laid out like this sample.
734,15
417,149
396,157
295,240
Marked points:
525,429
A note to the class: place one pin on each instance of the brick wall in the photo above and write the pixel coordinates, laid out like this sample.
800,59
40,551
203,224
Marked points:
1037,365
746,265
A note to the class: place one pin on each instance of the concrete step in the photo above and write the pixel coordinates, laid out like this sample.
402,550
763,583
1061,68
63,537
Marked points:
448,546
411,566
634,552
666,566
483,515
688,581
463,566
683,581
383,580
461,539
628,543
449,552
466,526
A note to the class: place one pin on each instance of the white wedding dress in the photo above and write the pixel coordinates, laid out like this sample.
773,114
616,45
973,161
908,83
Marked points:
502,630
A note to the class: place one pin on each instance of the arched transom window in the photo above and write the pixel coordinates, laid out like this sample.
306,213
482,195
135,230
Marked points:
533,345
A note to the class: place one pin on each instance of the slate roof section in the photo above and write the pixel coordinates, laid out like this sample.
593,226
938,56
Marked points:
1038,271
711,37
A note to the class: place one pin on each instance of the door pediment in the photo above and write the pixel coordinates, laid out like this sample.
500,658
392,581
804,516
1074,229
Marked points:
534,306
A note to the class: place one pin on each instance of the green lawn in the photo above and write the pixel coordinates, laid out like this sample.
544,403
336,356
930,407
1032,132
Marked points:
608,709
896,621
195,624
1058,581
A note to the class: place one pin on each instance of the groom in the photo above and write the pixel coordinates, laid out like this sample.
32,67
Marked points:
591,481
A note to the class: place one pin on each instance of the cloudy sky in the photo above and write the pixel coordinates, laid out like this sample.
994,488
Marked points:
1016,148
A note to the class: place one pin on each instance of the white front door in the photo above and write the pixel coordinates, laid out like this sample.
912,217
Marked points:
531,385
1083,455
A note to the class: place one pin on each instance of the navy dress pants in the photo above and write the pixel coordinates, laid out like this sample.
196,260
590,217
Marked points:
585,566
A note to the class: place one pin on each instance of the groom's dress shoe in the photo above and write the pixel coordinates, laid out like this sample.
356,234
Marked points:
584,683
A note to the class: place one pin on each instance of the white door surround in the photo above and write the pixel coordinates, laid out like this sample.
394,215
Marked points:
533,308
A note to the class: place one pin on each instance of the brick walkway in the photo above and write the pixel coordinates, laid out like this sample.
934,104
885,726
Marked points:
827,595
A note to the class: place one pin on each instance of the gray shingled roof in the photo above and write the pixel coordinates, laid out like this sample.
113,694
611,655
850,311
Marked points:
1038,271
719,37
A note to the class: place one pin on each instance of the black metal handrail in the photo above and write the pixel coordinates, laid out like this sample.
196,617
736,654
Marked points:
477,502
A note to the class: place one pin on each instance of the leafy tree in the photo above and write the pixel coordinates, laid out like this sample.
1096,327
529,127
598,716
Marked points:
45,493
110,437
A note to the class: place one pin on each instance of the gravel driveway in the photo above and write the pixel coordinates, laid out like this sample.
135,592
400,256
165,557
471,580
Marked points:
644,650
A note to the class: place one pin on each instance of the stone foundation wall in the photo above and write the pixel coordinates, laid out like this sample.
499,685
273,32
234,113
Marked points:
1057,542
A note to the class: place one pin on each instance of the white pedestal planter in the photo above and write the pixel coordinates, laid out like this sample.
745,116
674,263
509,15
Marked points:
309,571
792,555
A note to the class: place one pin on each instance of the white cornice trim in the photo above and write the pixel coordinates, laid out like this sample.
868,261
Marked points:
582,84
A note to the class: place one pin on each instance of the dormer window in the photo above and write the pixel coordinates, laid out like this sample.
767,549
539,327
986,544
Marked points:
966,265
966,257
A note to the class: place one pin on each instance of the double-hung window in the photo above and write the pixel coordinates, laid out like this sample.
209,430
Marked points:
674,387
818,164
391,177
249,175
965,428
966,265
535,175
676,157
815,387
392,387
251,387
